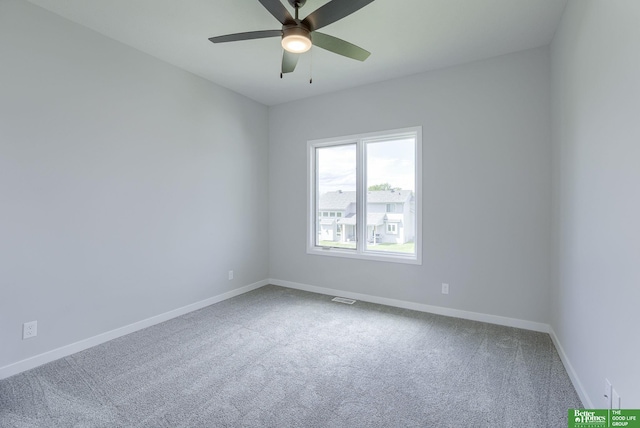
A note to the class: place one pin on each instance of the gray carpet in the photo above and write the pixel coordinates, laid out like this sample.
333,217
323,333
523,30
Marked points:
277,357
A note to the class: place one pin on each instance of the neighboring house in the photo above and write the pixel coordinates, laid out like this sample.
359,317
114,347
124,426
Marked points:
390,216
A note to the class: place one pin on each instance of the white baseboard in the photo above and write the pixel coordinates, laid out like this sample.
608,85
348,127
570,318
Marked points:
474,316
81,345
582,393
66,350
439,310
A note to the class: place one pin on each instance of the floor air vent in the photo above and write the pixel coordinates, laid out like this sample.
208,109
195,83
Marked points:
343,300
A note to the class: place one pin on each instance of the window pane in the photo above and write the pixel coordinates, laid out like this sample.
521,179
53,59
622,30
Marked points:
390,198
336,193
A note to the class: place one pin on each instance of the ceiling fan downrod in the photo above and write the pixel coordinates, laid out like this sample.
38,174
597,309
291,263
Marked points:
296,4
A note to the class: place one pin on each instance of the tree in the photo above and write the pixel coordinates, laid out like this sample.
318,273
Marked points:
383,186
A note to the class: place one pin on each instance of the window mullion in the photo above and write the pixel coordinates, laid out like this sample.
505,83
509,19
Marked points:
361,205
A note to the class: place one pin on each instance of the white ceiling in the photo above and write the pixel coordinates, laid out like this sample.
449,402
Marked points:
404,37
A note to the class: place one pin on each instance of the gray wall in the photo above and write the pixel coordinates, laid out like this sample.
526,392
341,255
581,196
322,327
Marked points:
596,146
128,187
486,180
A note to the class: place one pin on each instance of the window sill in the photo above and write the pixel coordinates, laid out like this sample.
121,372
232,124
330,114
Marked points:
370,255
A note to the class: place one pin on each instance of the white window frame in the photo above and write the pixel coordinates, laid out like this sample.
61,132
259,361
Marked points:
361,252
392,228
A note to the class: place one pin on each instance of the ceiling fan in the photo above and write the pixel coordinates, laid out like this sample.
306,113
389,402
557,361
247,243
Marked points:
299,35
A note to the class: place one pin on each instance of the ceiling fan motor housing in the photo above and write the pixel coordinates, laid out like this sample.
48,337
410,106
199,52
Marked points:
295,30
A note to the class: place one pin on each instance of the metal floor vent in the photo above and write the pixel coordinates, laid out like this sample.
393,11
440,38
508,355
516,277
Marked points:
343,300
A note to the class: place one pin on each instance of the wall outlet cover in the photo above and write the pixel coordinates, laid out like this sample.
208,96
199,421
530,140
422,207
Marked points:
29,329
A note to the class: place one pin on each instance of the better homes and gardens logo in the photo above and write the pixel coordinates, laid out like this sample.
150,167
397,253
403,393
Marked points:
603,418
589,418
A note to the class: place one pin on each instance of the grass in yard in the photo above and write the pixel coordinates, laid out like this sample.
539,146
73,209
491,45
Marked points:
333,244
408,247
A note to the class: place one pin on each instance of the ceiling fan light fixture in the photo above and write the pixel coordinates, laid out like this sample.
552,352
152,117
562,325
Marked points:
296,40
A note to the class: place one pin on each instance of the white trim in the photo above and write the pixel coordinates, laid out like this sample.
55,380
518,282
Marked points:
421,307
377,256
81,345
38,360
474,316
582,393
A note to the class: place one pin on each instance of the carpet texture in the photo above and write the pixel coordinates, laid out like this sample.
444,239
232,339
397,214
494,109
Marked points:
277,357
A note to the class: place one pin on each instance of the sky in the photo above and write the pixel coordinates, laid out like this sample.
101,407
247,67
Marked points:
387,162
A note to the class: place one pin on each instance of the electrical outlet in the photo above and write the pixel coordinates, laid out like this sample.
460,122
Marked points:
445,288
230,275
607,394
615,399
29,329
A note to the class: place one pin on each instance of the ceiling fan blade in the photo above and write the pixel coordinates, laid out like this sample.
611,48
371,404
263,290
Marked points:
332,12
289,61
339,46
246,36
277,9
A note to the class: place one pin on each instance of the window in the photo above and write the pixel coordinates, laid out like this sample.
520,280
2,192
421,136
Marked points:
392,228
371,186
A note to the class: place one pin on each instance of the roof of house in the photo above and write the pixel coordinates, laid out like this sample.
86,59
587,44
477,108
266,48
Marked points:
388,196
373,219
395,218
340,200
337,200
